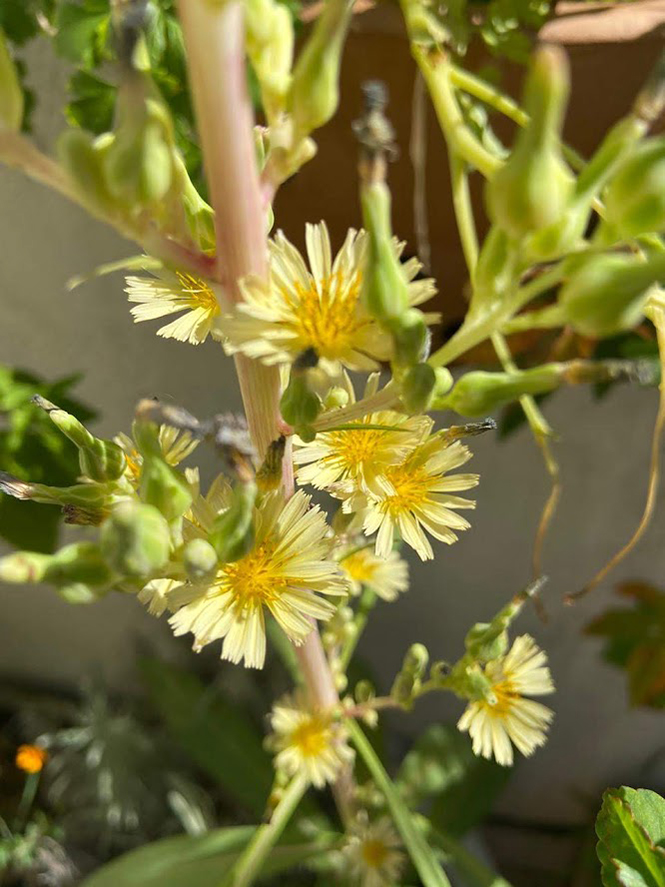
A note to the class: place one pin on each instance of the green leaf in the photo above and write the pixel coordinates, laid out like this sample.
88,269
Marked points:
217,735
92,103
635,641
196,861
423,857
82,31
631,832
442,768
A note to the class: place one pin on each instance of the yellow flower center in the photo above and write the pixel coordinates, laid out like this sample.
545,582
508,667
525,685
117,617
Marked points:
359,566
411,487
327,320
254,579
374,853
351,448
197,293
312,737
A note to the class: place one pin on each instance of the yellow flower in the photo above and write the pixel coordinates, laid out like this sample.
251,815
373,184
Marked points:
286,571
31,758
387,577
309,741
374,856
415,495
358,455
493,724
172,292
317,307
176,446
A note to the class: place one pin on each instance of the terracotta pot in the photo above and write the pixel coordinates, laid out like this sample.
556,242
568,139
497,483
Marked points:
611,51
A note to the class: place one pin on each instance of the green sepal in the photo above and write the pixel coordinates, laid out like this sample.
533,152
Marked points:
480,392
384,291
160,484
136,540
232,535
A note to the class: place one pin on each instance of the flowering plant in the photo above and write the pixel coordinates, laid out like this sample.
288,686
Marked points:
249,557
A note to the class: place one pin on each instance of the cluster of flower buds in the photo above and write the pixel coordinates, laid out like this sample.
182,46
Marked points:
300,404
136,170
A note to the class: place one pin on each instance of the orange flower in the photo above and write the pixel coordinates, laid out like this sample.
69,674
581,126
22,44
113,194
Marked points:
31,758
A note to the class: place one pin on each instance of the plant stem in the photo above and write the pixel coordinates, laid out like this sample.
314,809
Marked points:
365,606
251,860
213,36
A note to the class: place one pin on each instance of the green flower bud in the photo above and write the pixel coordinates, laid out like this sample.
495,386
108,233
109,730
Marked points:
100,460
417,388
23,567
314,94
11,94
93,497
160,484
83,160
532,190
232,534
336,397
409,678
411,338
384,291
606,294
635,197
299,405
497,268
140,165
485,641
81,562
480,392
199,559
78,593
135,540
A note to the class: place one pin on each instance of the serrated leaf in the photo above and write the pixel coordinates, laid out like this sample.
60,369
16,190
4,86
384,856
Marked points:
195,861
217,735
631,832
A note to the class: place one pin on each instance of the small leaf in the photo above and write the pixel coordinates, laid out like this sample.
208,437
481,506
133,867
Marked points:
92,103
631,832
82,31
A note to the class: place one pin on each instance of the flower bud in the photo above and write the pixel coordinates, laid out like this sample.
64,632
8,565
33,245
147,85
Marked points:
23,567
635,197
78,593
81,562
299,405
605,294
269,28
135,539
11,94
384,291
418,387
409,678
83,158
533,188
478,393
314,94
94,497
100,460
411,338
139,166
232,535
496,270
199,559
160,484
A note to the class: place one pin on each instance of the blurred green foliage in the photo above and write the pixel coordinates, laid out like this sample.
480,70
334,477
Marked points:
32,448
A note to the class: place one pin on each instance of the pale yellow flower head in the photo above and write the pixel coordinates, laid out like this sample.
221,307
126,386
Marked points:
309,741
173,292
358,455
386,577
415,496
510,718
374,856
316,306
287,571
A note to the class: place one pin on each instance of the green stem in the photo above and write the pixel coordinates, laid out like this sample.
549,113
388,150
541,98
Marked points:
480,328
465,863
422,855
253,857
365,607
466,225
27,799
